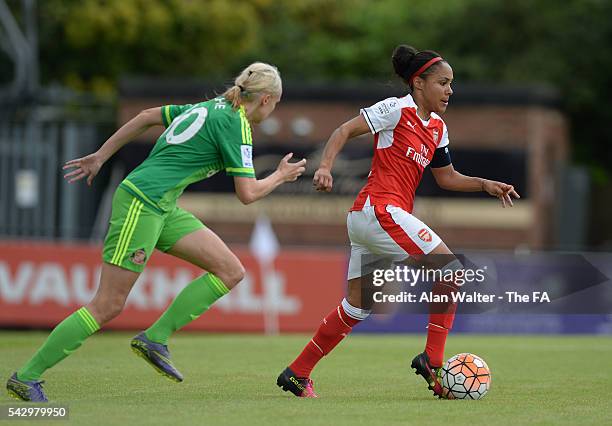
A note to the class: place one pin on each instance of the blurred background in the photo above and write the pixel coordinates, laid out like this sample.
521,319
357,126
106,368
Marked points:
529,108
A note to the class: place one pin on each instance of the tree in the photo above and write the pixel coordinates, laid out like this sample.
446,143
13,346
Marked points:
565,44
89,44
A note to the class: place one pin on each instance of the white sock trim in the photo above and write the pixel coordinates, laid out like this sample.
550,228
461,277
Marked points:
340,316
353,312
318,347
435,325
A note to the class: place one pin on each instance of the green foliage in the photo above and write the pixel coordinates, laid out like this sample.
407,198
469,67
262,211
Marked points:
86,40
315,39
89,44
565,44
345,39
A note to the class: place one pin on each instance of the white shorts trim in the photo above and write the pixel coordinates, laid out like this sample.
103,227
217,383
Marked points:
385,234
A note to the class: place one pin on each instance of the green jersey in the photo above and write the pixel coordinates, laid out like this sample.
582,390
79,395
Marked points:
199,141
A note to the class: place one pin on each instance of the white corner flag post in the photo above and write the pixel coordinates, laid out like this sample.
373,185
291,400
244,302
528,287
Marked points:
264,247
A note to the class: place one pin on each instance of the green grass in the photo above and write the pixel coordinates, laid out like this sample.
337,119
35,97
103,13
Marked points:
230,379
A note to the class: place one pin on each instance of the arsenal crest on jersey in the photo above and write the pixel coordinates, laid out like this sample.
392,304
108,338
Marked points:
435,136
425,235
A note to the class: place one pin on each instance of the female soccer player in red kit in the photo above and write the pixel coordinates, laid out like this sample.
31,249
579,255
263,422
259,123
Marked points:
409,135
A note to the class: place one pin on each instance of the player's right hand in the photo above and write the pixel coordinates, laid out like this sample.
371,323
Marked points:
323,180
88,167
291,171
501,190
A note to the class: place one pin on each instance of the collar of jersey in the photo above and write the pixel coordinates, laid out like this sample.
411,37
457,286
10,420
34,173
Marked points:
412,104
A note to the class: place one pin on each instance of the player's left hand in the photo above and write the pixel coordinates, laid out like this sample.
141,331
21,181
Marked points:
323,180
501,190
88,166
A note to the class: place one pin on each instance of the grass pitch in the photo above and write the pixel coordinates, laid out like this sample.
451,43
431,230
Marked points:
230,380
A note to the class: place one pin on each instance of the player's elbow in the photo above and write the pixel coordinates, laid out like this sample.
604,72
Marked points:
246,197
246,189
248,200
444,182
343,131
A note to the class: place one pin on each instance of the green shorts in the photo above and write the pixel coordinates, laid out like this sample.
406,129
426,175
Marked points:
136,229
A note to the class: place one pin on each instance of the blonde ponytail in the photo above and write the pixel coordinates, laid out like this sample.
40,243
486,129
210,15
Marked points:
254,79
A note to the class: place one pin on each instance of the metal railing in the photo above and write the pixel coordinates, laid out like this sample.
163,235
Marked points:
35,201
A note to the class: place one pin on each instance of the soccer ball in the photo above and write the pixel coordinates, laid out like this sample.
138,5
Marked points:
466,376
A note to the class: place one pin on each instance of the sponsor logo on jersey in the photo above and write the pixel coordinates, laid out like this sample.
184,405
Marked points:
385,108
425,235
139,257
435,136
247,155
418,157
211,173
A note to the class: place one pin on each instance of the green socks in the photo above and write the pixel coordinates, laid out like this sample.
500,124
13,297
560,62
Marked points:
196,298
63,340
191,302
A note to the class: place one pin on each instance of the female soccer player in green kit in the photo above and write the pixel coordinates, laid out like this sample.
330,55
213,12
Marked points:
199,141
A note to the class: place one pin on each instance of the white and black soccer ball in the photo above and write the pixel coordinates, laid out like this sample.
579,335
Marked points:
466,376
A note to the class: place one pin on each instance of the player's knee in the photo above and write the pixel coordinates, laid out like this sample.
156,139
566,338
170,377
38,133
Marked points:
109,309
232,275
455,269
114,309
354,299
362,301
354,311
237,274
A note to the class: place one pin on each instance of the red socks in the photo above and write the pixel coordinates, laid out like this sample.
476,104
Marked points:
338,324
335,327
441,317
434,348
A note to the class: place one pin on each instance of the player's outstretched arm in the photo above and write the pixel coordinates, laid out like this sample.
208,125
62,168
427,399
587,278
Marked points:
249,190
448,178
89,165
357,126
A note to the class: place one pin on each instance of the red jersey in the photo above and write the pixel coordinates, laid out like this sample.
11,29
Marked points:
403,146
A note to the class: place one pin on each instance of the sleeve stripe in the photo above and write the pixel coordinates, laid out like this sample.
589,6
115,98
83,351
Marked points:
247,138
242,128
368,121
444,139
166,110
249,134
245,128
240,170
242,131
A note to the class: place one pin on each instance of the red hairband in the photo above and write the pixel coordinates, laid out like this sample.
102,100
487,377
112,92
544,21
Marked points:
424,67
